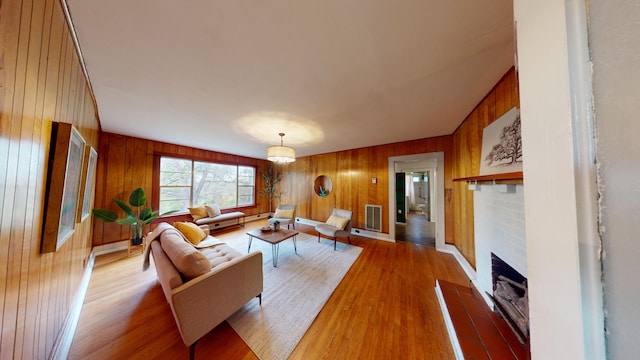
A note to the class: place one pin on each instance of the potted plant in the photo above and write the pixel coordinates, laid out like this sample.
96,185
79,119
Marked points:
276,225
137,220
271,180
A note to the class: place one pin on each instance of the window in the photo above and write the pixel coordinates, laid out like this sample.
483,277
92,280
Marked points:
187,183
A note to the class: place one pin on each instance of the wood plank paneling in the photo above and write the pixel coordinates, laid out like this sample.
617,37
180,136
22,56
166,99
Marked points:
467,145
41,81
127,163
351,172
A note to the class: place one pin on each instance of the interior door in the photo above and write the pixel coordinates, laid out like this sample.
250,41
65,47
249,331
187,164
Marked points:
400,198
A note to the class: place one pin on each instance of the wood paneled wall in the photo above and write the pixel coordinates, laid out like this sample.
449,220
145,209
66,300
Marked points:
41,81
467,145
127,163
351,172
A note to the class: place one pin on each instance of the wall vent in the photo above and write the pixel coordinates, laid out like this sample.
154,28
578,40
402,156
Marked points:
373,214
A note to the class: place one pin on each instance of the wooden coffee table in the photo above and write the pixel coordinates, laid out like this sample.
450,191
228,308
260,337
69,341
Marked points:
274,238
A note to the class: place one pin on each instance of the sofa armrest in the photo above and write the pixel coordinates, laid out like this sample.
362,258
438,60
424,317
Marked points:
201,304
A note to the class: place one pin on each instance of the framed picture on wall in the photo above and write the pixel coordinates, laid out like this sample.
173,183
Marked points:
86,182
502,145
63,186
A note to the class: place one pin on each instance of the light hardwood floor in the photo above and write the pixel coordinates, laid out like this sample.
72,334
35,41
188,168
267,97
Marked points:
384,308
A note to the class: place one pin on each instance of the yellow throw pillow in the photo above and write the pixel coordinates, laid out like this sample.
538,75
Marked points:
283,214
191,232
198,212
337,222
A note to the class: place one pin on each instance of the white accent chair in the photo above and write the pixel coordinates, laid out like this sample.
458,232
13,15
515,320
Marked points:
338,224
285,214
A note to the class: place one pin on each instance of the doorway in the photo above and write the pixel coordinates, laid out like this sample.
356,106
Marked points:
422,185
416,226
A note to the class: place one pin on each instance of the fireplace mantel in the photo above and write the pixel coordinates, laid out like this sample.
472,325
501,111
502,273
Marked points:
506,178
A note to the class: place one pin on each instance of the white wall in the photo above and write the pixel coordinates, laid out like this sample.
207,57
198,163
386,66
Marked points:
499,229
559,171
614,36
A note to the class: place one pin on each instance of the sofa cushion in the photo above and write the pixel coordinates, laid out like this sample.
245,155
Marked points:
209,241
337,222
192,232
187,259
221,254
198,212
213,210
220,218
283,214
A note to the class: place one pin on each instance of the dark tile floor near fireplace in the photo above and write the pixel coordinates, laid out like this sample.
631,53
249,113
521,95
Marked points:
482,334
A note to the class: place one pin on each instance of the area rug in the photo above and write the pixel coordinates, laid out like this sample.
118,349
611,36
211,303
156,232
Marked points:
294,292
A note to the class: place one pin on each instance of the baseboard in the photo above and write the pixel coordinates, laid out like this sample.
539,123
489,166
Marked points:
372,234
256,217
468,269
354,231
109,248
62,346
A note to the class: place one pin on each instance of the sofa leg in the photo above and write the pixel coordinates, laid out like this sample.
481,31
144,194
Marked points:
318,237
335,242
192,351
259,299
348,238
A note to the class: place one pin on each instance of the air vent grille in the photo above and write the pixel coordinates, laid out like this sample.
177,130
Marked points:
373,215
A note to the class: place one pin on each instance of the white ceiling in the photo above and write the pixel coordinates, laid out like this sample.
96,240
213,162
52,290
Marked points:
332,74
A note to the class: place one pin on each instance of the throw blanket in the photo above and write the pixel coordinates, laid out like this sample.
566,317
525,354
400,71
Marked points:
162,227
155,236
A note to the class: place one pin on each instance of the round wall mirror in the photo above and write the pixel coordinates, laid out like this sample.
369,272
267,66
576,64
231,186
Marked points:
322,186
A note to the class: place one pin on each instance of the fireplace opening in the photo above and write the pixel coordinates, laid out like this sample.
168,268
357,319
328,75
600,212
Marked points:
510,297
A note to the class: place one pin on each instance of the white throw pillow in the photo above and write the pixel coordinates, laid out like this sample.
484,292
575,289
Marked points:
213,210
337,222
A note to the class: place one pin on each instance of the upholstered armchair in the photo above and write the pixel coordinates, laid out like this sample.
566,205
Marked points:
285,215
338,224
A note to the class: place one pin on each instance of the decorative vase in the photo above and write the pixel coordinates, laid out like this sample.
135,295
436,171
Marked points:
276,226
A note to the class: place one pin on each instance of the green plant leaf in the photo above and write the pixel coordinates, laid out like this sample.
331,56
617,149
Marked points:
127,210
129,220
137,197
147,215
105,215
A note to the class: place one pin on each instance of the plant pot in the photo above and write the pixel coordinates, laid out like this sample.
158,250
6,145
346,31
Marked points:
136,241
276,227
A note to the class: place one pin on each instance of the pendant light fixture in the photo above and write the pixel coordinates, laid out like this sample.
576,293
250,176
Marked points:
281,154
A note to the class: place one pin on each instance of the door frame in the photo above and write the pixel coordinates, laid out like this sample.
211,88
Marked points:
438,194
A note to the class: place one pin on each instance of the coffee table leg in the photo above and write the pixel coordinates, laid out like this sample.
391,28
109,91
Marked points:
274,253
250,238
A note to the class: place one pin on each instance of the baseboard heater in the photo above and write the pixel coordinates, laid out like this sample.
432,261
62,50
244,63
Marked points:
373,214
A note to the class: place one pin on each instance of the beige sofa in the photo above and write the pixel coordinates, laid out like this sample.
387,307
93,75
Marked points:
203,286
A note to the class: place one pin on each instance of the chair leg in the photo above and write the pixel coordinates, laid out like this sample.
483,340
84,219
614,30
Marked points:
335,242
318,237
259,299
348,238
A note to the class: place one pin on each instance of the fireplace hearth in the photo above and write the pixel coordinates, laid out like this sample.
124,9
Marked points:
510,297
